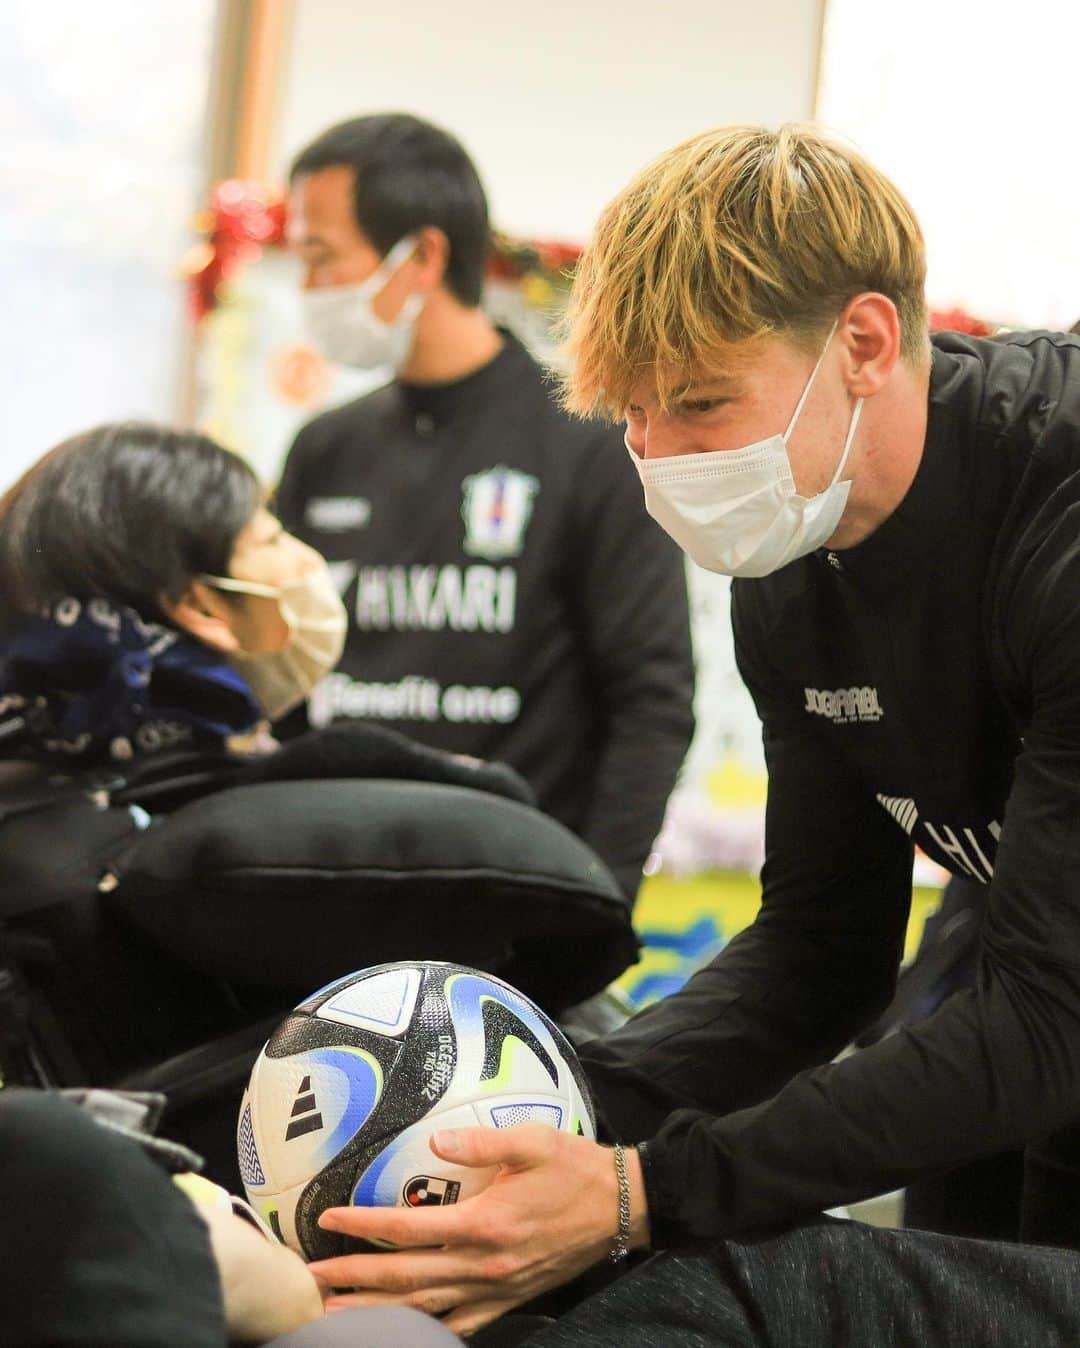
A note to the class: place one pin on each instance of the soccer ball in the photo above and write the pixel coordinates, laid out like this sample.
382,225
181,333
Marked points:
347,1091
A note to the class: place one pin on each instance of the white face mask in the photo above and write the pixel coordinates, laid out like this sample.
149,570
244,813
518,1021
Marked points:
317,622
344,325
737,511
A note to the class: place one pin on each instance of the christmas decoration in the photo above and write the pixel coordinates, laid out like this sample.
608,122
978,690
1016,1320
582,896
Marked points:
959,320
541,271
240,220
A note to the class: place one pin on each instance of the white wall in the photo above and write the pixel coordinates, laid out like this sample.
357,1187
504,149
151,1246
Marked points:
971,108
102,125
558,103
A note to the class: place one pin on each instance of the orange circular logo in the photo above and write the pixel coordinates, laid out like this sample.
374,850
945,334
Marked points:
300,374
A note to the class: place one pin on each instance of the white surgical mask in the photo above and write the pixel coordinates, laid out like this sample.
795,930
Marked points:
344,325
317,622
737,511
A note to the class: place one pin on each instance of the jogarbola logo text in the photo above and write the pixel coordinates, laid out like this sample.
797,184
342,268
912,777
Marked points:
843,706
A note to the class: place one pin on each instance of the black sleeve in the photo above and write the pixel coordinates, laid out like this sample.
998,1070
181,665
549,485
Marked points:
787,993
995,1067
629,583
98,1245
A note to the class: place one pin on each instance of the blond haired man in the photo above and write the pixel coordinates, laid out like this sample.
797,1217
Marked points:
903,518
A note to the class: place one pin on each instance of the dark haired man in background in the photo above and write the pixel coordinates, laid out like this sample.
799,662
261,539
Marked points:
508,595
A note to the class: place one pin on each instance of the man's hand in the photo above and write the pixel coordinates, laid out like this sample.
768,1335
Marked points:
550,1212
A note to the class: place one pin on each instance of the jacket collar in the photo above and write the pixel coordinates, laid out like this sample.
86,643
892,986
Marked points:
907,542
437,404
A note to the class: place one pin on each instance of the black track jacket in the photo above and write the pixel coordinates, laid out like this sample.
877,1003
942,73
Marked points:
509,597
922,687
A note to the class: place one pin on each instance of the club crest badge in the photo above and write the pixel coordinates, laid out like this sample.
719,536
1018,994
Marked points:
496,507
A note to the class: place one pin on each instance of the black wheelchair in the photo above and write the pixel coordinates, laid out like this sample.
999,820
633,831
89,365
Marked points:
157,922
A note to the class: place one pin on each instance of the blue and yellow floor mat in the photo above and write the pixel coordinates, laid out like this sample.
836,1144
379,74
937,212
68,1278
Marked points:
683,923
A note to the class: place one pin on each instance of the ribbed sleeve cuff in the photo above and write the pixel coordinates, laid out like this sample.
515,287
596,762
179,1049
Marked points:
665,1230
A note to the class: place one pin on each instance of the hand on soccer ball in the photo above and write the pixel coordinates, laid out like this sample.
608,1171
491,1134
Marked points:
550,1213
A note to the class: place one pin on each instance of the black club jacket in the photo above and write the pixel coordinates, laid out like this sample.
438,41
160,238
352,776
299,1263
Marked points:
922,687
509,597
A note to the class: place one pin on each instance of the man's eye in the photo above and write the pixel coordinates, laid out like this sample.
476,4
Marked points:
699,405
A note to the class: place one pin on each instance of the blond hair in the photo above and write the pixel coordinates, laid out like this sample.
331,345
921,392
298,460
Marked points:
738,233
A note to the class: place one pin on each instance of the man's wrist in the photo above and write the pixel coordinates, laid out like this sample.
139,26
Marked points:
639,1237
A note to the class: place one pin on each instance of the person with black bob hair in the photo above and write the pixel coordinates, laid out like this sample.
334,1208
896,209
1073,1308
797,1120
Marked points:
129,510
148,599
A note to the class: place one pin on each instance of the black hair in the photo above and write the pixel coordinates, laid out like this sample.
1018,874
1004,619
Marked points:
129,512
408,174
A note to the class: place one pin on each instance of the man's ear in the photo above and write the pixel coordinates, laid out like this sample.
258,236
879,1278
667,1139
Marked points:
870,327
432,256
204,614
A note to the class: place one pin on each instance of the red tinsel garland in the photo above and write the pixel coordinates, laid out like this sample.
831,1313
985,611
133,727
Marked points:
240,220
959,320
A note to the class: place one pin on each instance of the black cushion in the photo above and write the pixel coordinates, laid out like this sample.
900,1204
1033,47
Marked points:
292,884
361,749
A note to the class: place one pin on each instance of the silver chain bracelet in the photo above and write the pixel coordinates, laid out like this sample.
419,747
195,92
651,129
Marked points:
620,1247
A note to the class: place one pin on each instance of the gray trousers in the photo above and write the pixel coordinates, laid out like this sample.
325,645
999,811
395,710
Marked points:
828,1284
833,1284
376,1327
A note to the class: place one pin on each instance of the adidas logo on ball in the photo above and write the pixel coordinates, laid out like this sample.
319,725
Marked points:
305,1113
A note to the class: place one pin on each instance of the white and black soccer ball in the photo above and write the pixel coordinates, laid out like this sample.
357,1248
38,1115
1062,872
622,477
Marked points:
347,1091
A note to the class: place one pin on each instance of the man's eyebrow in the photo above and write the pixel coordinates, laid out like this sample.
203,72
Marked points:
717,383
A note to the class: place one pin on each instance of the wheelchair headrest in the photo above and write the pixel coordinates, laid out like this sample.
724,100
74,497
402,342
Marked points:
292,884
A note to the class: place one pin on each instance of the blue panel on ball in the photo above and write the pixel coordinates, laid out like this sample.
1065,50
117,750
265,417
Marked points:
467,996
369,1192
364,1088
